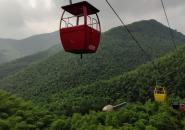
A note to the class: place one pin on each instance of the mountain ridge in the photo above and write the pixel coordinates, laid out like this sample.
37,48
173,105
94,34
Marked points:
64,71
12,49
72,92
134,86
12,67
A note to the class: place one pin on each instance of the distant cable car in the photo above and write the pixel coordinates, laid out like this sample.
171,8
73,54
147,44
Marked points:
80,33
179,106
160,94
110,108
176,106
182,107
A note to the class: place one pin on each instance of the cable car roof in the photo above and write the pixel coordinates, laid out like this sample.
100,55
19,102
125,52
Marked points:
76,8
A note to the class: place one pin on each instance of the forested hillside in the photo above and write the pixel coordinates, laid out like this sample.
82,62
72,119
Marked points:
7,51
72,92
17,114
11,68
117,54
11,49
134,86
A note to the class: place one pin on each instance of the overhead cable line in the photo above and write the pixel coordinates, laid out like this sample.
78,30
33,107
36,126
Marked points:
169,27
132,36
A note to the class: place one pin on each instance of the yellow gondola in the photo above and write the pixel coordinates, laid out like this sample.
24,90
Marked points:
160,94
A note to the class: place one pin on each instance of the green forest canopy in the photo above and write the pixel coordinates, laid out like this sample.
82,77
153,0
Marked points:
18,114
69,107
117,54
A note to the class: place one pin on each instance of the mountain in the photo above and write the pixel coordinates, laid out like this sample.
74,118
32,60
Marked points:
117,54
17,114
56,84
13,49
7,51
12,67
134,86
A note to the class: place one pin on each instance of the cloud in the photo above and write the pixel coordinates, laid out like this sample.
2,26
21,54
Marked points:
8,11
135,10
22,18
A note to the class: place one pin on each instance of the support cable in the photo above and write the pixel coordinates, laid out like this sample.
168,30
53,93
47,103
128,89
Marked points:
132,36
130,33
169,27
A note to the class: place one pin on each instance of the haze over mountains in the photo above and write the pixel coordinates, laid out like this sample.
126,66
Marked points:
12,67
13,49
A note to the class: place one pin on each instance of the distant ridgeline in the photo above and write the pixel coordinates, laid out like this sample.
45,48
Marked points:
11,49
11,68
66,84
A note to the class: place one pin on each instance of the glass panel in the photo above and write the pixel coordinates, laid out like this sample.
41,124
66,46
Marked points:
93,22
70,21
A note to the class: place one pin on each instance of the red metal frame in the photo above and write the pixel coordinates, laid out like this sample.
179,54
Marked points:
81,38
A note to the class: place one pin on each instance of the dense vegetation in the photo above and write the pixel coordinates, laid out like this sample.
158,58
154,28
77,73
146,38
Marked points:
134,86
16,114
149,116
11,49
73,92
117,54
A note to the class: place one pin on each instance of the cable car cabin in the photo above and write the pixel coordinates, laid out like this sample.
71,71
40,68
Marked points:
80,32
182,107
160,94
176,106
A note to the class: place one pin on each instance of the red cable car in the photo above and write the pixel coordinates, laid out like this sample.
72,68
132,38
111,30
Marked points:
80,33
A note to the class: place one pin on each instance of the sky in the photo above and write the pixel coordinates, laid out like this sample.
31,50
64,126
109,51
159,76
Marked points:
23,18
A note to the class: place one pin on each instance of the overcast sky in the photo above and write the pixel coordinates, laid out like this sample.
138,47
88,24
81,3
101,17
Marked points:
23,18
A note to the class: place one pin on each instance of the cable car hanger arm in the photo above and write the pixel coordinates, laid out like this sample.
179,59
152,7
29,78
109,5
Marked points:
70,2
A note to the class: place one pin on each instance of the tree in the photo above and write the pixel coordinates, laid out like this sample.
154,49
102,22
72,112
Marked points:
61,124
